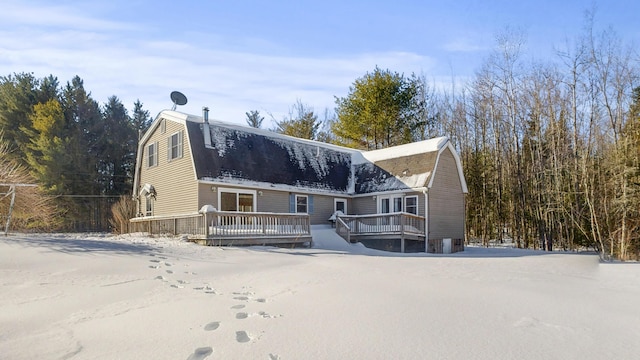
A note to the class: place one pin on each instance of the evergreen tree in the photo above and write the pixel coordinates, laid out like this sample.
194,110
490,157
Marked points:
84,126
379,111
47,156
140,118
18,95
302,122
254,119
117,145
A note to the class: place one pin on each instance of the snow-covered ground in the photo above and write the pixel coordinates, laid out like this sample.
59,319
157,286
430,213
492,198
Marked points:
135,297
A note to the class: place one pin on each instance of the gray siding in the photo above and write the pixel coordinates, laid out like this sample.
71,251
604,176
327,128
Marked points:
363,205
446,200
206,196
420,197
174,181
273,201
276,202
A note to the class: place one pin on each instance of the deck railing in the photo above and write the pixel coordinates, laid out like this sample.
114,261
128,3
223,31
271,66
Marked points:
399,222
191,224
240,224
226,224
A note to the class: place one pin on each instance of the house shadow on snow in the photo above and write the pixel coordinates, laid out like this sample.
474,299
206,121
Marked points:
71,245
470,252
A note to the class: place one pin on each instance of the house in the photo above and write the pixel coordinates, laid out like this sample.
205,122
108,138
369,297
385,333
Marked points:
246,179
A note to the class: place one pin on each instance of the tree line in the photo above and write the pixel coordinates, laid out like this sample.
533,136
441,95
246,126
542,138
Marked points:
80,153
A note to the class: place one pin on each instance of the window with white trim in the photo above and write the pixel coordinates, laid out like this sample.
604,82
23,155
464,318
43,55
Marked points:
175,146
302,204
163,126
389,204
152,154
411,205
149,206
236,200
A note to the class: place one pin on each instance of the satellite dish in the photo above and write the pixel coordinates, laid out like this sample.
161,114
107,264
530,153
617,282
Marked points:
178,98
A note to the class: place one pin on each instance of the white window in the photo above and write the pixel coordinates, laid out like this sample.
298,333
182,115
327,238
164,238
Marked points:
302,203
163,126
340,205
411,205
236,200
175,146
388,204
152,154
149,206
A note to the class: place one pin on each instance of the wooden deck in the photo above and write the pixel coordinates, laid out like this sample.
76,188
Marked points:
400,226
228,228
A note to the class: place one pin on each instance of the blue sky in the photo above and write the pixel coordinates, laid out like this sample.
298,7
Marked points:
236,56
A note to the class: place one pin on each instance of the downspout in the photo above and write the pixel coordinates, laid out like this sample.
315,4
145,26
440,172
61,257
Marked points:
426,221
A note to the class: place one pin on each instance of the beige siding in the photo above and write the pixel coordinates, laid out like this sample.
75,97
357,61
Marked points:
174,181
446,200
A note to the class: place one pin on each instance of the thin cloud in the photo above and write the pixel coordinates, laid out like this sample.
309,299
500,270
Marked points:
44,14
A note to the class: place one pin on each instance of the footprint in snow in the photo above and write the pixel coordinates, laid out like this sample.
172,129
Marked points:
242,336
169,271
155,260
212,326
242,315
201,353
240,306
168,264
241,298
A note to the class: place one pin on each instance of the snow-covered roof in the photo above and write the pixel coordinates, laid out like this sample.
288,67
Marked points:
242,155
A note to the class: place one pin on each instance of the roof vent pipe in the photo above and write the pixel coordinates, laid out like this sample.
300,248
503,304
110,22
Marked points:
205,114
206,132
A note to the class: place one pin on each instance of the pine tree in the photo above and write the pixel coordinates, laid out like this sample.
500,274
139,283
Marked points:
380,111
140,118
47,154
117,146
302,122
254,119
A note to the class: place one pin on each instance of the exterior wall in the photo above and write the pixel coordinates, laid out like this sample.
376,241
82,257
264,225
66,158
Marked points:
276,202
363,205
446,200
273,201
322,209
174,181
367,205
206,196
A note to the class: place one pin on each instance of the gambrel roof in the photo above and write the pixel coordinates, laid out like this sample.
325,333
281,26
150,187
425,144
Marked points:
247,156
